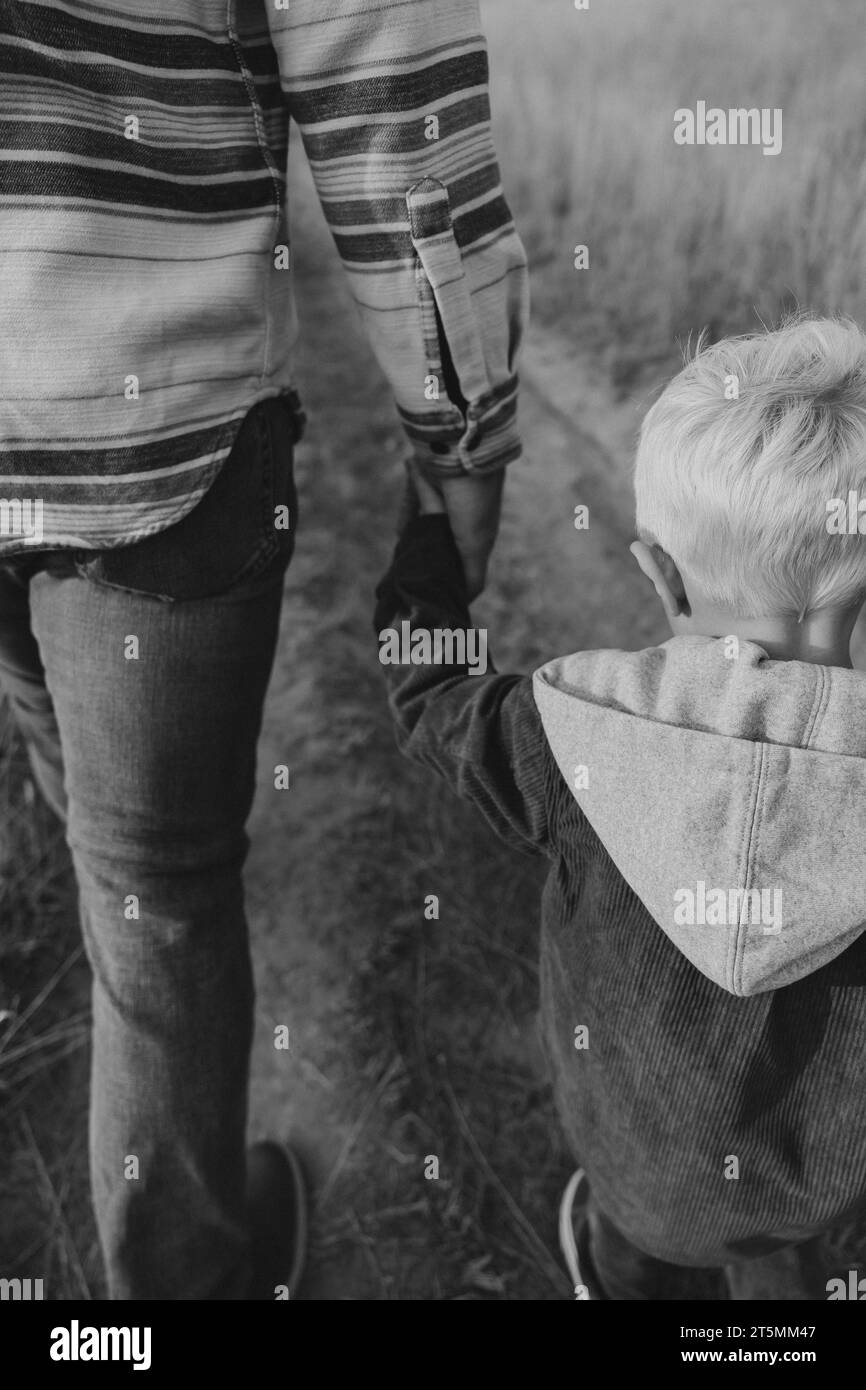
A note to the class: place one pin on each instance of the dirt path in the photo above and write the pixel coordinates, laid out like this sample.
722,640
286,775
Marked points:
341,861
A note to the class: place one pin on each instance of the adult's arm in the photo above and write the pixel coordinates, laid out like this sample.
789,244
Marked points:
391,98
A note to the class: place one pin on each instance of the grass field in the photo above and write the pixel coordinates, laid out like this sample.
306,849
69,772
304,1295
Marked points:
680,237
414,1039
45,1226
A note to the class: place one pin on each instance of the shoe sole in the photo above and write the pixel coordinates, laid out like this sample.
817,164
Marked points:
567,1242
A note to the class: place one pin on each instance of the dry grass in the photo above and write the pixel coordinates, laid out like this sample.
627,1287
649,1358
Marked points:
46,1229
680,237
453,1003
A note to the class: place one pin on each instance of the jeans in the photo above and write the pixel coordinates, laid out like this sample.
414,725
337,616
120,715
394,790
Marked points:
137,677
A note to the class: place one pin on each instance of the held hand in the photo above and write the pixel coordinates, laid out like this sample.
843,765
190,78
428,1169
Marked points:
473,506
423,498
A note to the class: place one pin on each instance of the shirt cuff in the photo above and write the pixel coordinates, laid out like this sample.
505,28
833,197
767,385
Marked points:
484,441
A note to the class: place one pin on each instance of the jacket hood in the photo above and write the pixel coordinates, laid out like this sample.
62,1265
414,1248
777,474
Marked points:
729,790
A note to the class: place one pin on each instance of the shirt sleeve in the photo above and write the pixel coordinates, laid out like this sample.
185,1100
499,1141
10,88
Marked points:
481,733
391,98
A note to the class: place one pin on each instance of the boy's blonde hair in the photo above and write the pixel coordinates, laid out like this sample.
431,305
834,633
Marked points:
736,489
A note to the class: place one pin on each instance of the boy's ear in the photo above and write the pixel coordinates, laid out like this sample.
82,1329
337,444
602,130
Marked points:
666,579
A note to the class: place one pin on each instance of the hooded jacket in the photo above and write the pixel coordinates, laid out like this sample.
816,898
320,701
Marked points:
703,962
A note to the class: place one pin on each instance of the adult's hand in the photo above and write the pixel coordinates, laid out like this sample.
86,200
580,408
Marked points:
473,505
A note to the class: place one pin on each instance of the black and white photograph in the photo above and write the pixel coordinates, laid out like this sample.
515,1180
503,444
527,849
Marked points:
432,668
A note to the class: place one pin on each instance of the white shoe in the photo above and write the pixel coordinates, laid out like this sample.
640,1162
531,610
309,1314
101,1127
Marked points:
567,1242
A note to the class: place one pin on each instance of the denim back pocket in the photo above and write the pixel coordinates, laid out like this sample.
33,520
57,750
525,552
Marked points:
244,524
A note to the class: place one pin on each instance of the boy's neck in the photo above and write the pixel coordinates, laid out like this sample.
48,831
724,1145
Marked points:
822,638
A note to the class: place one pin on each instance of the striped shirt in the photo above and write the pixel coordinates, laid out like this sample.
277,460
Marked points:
146,297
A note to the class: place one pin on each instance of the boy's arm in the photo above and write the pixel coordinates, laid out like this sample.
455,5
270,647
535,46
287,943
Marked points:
481,733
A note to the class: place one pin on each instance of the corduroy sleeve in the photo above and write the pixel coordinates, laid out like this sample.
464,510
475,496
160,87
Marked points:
481,733
391,98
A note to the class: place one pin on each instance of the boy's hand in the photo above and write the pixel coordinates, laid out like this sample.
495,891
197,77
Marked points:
426,571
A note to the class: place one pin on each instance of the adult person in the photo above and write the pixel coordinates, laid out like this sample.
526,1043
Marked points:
147,420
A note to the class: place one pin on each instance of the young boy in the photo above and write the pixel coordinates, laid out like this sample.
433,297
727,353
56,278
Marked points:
703,808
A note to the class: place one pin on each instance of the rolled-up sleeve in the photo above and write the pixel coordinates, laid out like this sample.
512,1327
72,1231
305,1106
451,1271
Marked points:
392,101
